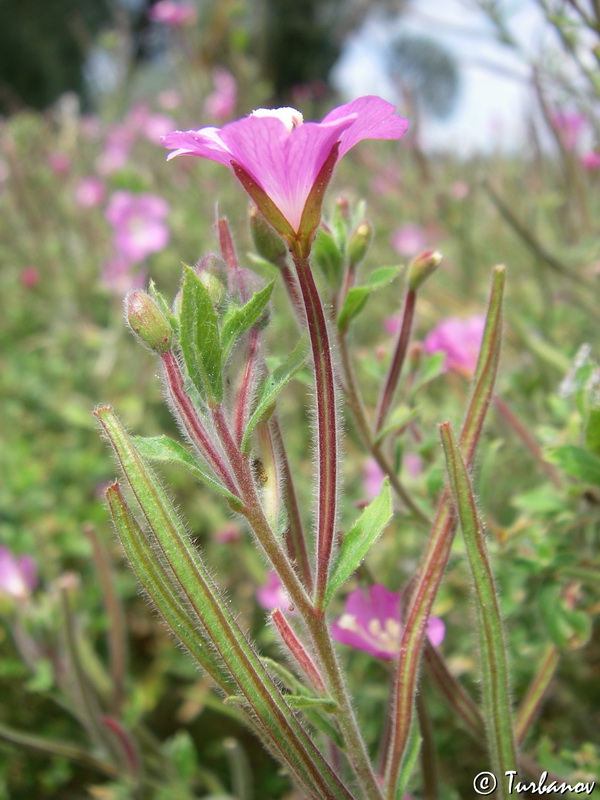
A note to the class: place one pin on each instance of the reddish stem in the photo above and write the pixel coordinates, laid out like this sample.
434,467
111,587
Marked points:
298,650
327,455
395,368
192,423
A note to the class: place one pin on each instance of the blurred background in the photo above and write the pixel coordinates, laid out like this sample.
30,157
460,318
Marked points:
501,165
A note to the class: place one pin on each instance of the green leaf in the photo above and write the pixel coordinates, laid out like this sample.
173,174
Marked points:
592,432
162,448
305,701
328,256
432,367
357,296
577,462
242,319
360,538
273,385
199,338
568,628
399,417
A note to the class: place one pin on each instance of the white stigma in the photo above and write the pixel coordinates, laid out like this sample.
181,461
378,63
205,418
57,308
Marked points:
290,117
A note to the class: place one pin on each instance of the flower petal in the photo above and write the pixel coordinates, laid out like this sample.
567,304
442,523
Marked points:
375,119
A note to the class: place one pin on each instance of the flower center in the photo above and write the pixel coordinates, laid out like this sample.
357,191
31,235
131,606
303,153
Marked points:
289,116
384,637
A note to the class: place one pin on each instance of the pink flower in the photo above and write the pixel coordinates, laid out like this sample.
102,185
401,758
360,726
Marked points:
591,161
371,622
372,478
408,240
90,192
278,157
29,277
460,339
119,275
119,141
569,125
138,223
173,14
18,574
273,595
60,163
220,105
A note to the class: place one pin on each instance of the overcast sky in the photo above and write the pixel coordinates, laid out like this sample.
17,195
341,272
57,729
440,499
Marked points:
491,108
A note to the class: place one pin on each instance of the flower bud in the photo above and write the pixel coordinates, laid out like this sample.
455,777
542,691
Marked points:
147,321
359,242
269,245
421,267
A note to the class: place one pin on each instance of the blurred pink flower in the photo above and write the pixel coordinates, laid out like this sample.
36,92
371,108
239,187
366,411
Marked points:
460,339
282,153
143,122
273,595
460,190
60,163
413,464
170,99
569,125
138,222
119,141
373,477
220,104
174,14
18,574
371,622
391,325
120,275
29,277
408,240
591,161
90,192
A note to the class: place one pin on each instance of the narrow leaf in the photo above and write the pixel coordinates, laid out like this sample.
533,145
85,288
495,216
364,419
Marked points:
494,666
357,296
361,537
199,338
399,417
273,385
162,448
242,319
304,701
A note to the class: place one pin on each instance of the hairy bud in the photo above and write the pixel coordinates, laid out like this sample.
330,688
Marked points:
147,321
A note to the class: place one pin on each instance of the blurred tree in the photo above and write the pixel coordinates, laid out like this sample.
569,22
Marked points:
426,71
43,46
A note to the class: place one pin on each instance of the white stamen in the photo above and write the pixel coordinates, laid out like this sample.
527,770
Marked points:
289,116
347,622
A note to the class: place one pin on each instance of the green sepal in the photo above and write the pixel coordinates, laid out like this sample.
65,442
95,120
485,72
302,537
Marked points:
199,339
162,448
239,320
327,255
272,386
360,538
357,296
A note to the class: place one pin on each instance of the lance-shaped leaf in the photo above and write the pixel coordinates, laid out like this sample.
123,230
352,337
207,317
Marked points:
357,296
199,339
360,538
162,448
272,386
277,721
160,589
242,319
437,552
494,666
577,462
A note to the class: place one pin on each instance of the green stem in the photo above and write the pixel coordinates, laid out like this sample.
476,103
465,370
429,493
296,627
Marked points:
255,684
530,705
436,556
